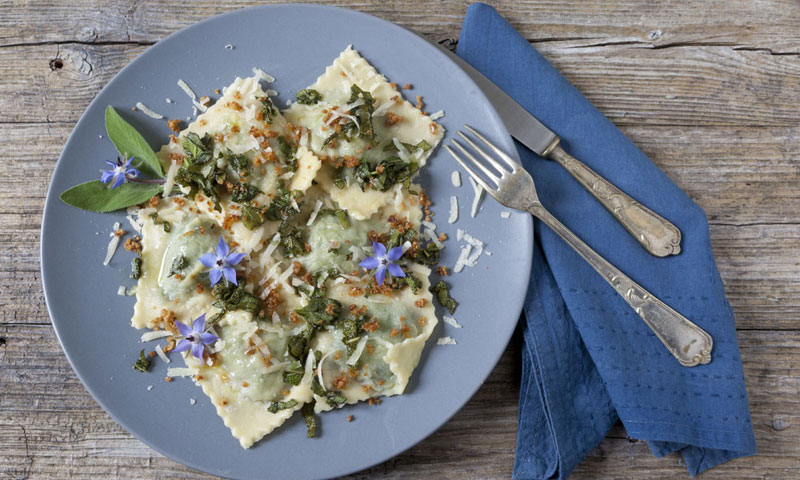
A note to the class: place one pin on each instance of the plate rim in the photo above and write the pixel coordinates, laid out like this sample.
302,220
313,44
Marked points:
52,197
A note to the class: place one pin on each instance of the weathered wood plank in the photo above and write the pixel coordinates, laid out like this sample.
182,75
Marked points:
737,23
690,85
51,428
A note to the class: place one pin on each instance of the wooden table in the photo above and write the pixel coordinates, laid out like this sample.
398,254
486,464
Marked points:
710,90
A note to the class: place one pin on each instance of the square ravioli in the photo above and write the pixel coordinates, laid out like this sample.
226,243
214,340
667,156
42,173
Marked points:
286,258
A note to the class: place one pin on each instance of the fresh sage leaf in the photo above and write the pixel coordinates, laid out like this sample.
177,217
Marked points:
96,196
130,143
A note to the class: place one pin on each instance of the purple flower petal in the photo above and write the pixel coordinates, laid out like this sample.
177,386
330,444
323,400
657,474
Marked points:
380,273
131,173
128,162
235,258
209,260
199,324
185,330
111,164
230,275
222,248
395,254
182,346
396,271
197,350
106,176
369,263
215,275
379,250
119,179
208,338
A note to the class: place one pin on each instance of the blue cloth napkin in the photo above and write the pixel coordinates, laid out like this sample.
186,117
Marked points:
588,359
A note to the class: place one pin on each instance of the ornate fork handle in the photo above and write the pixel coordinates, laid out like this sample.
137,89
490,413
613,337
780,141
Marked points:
657,236
687,342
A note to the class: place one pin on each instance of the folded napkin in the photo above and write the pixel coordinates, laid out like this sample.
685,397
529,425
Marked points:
588,359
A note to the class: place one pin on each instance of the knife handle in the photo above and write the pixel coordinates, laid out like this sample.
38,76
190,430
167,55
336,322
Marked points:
656,235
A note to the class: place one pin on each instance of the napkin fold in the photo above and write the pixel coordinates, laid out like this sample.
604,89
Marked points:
588,359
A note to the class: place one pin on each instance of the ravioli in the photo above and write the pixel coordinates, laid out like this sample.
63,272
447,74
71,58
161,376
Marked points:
303,195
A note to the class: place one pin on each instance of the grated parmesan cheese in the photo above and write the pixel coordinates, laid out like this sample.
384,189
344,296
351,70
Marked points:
358,351
121,291
147,111
319,370
263,75
314,213
462,258
453,210
169,182
161,354
229,46
112,245
169,100
432,235
186,88
478,188
455,178
402,151
505,214
451,321
182,372
445,341
192,401
149,336
437,115
382,108
134,224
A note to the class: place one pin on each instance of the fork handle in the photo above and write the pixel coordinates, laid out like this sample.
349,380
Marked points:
654,233
687,342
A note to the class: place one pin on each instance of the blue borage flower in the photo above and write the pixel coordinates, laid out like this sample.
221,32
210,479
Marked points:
195,337
221,263
383,261
121,171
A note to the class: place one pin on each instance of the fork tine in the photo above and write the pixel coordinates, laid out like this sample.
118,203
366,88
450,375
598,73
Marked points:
471,172
514,165
483,154
492,176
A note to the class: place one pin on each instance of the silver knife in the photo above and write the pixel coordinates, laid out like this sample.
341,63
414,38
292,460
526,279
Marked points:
654,233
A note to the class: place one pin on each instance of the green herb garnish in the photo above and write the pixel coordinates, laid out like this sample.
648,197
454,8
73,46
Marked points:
244,192
277,406
229,297
136,268
293,373
198,150
268,108
130,143
442,294
178,264
310,418
142,364
252,217
308,96
320,310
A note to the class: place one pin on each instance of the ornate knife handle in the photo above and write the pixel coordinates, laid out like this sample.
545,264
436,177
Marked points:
687,342
657,236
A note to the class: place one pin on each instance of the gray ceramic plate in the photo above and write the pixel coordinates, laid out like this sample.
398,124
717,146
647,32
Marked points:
294,43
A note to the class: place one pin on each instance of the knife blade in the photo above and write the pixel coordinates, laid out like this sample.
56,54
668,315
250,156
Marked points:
521,124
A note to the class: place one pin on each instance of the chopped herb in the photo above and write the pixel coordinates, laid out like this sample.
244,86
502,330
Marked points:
311,420
276,406
320,310
413,283
281,206
268,108
308,96
364,111
442,294
293,373
142,364
237,162
292,240
422,145
351,330
136,268
178,264
344,221
385,174
288,150
397,238
158,221
298,344
335,399
198,150
427,255
252,217
229,297
244,192
338,177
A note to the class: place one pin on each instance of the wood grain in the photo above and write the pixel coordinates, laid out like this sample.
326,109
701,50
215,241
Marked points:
709,90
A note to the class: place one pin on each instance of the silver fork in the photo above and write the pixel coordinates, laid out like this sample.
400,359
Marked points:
687,342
